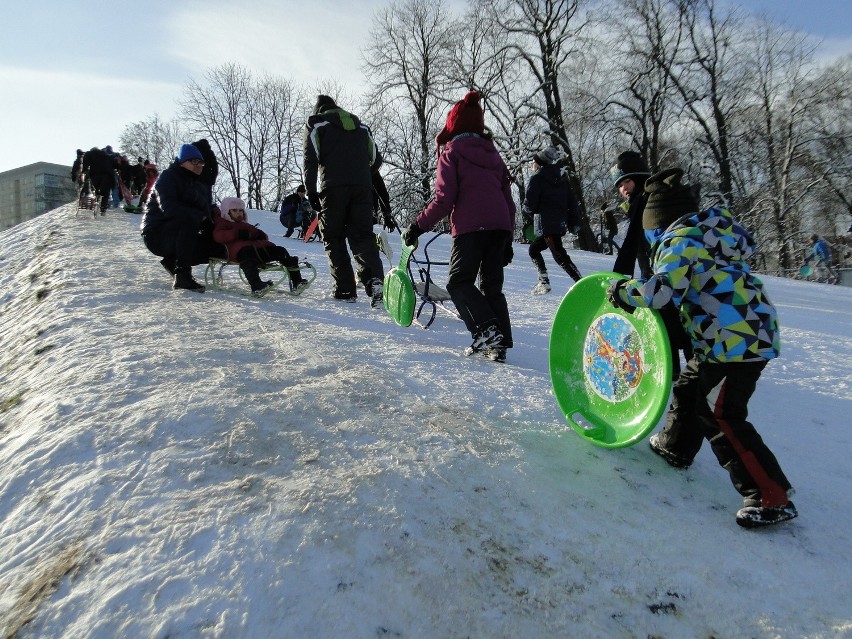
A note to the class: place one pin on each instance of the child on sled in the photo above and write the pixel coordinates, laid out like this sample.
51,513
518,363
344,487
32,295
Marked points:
251,248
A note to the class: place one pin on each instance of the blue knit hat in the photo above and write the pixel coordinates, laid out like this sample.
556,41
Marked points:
189,152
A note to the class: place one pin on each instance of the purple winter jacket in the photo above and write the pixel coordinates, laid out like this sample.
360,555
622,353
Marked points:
472,187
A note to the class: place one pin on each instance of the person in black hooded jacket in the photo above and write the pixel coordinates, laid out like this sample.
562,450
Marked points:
98,166
340,158
551,202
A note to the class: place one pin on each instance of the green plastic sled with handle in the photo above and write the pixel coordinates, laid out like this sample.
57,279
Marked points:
399,297
806,271
610,370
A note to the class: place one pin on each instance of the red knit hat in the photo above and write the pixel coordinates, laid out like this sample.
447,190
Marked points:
466,116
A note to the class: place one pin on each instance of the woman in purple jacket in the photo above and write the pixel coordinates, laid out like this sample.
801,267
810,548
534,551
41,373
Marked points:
473,189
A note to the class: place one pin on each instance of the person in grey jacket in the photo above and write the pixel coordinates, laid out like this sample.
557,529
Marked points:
340,157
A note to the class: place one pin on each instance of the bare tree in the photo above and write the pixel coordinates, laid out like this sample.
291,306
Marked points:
152,139
647,38
543,34
709,79
253,127
405,59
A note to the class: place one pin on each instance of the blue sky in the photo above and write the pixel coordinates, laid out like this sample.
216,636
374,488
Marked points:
75,73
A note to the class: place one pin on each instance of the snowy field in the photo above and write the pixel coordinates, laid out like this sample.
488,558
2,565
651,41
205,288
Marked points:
181,465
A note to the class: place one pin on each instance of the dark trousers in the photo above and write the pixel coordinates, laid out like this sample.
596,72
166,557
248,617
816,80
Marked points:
481,254
347,215
560,255
180,239
252,258
710,401
103,184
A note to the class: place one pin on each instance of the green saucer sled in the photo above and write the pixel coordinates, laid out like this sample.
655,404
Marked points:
610,370
399,297
806,270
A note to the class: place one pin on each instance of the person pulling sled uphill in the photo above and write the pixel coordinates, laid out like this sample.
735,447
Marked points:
699,263
251,248
473,188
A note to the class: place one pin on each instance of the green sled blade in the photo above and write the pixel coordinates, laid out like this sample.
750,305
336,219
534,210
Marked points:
610,370
399,297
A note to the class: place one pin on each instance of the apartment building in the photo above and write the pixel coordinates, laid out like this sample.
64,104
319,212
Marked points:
31,190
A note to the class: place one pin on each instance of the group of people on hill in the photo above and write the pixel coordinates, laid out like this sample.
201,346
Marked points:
103,176
692,265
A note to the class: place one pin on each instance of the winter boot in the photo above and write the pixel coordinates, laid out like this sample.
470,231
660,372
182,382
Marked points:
487,336
375,289
184,280
543,286
673,459
261,288
760,516
497,354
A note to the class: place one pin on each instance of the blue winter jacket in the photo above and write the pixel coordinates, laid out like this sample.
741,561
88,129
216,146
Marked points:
178,192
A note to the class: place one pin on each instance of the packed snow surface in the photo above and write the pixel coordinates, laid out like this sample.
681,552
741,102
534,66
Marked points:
183,465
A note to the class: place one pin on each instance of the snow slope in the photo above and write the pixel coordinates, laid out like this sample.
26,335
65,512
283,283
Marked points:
183,465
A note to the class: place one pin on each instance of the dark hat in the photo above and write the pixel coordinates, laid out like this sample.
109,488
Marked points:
301,189
668,199
189,152
630,164
548,155
324,103
466,116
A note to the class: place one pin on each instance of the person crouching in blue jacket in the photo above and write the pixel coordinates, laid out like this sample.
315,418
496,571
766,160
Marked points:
179,204
699,264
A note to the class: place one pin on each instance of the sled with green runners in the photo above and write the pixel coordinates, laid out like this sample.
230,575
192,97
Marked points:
225,275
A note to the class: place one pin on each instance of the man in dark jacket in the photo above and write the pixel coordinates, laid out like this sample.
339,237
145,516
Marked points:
340,155
98,166
552,204
179,205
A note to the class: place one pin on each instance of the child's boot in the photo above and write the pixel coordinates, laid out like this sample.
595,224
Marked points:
543,286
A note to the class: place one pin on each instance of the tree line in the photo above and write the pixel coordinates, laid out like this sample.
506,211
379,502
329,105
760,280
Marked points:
740,103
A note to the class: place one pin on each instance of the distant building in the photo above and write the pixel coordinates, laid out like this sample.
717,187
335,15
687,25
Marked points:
31,190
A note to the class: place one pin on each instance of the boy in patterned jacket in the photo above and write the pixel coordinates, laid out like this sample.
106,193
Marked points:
699,264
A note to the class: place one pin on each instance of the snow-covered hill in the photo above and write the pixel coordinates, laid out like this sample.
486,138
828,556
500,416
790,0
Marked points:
183,465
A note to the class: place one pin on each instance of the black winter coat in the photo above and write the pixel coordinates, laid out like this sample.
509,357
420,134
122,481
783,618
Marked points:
551,199
339,150
178,192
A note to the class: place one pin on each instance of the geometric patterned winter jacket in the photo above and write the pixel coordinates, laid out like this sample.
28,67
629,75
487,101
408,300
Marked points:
699,264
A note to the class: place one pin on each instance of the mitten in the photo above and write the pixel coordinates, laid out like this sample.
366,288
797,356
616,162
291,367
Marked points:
615,300
410,235
244,234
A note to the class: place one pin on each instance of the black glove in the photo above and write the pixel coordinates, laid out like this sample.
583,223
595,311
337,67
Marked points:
615,300
244,234
390,225
508,253
313,198
410,235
